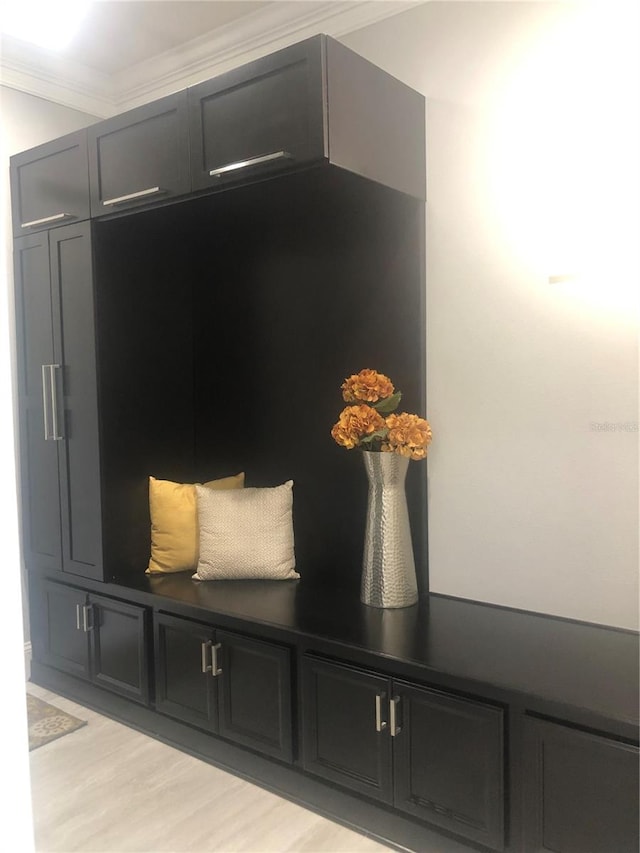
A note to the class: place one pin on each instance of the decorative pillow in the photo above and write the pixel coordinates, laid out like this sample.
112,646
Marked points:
174,522
246,534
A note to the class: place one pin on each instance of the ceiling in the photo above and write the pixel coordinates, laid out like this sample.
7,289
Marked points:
128,52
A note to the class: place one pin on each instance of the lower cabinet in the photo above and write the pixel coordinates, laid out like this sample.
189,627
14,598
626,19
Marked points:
581,793
235,686
432,755
100,639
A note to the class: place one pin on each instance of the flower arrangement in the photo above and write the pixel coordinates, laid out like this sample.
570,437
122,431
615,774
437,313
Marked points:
370,422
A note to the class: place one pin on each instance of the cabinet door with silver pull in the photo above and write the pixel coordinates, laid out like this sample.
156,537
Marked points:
39,452
50,185
140,157
347,727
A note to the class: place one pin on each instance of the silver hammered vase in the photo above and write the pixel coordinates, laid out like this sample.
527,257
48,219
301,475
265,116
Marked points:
388,567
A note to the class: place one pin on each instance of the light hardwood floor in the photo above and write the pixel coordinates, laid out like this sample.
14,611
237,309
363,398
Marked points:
106,788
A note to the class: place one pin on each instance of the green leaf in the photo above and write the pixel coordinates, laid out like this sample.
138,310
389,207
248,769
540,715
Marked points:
389,404
379,433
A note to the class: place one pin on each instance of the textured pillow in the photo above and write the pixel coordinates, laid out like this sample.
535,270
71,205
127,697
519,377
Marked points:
174,522
246,534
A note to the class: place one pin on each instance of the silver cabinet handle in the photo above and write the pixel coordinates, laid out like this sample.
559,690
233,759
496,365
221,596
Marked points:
380,723
393,704
45,402
252,161
57,217
204,647
132,196
87,618
78,616
55,436
215,669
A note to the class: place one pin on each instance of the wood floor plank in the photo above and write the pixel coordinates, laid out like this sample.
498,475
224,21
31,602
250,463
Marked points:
106,788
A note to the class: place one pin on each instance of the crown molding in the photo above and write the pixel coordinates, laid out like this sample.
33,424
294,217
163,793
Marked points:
46,75
54,78
241,41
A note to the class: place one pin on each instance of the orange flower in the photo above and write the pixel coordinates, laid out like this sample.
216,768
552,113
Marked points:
355,423
409,436
368,386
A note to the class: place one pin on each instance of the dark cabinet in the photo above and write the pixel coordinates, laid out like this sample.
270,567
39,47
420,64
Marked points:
50,184
97,638
140,156
58,408
313,102
232,685
345,727
262,117
184,686
581,792
449,763
435,756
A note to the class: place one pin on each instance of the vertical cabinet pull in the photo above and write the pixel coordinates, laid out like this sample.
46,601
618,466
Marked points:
45,407
393,706
215,669
87,618
56,436
50,400
78,616
204,648
380,723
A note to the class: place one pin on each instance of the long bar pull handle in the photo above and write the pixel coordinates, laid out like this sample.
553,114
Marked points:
57,217
132,196
252,161
56,436
45,402
380,723
78,616
215,669
393,705
87,618
204,648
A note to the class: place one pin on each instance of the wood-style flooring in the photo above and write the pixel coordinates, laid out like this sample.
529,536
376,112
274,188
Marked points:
106,788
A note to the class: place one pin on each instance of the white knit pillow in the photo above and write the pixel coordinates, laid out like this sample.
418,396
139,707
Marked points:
246,533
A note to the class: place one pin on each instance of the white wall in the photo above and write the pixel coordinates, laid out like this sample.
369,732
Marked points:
532,140
25,121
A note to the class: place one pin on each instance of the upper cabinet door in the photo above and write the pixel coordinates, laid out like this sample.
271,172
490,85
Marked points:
140,157
50,184
263,117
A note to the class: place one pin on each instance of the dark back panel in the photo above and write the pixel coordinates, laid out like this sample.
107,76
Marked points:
310,278
145,357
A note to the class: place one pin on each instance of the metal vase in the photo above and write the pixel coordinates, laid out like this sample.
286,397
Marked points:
388,567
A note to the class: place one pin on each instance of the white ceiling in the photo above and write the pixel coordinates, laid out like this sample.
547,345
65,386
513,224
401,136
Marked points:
129,52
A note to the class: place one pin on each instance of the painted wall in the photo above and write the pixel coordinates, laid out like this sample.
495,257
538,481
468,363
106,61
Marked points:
532,386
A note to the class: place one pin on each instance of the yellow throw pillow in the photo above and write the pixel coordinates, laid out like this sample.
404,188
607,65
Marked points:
174,523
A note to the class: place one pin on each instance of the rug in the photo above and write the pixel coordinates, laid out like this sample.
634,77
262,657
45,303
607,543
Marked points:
46,722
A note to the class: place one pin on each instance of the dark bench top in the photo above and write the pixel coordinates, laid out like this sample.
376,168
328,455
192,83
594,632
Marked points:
586,673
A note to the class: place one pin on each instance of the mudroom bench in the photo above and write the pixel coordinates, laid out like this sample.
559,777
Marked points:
498,729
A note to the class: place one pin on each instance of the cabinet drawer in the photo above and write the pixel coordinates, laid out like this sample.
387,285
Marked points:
50,184
140,157
263,117
581,794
